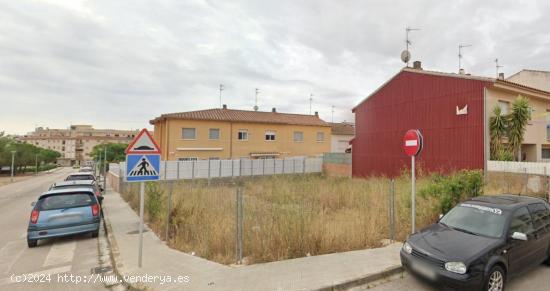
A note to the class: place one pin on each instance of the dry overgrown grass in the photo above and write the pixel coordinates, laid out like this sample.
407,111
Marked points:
285,216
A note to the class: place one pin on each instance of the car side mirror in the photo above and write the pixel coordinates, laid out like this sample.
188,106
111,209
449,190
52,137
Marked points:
33,203
519,236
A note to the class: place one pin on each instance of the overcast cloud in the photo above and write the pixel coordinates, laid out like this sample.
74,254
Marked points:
117,64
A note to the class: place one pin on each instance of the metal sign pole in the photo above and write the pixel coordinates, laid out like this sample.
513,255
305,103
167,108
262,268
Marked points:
141,202
413,194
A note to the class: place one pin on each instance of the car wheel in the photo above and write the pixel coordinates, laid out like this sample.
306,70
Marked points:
495,280
32,243
95,233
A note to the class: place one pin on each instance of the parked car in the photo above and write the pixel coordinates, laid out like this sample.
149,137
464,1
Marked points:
64,212
86,169
481,243
80,176
78,184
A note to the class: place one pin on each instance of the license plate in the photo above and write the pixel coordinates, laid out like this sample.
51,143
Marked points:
423,270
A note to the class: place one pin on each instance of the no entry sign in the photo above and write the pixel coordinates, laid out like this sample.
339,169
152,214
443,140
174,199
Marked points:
412,142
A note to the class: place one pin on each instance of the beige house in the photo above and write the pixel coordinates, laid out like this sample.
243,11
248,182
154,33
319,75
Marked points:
224,133
341,134
534,85
76,143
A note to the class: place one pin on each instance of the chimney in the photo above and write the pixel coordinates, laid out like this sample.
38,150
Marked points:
273,110
417,65
224,106
501,76
316,113
461,71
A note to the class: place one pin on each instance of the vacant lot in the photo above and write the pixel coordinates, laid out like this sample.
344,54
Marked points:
284,216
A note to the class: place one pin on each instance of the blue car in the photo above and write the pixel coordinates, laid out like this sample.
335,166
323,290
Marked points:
64,212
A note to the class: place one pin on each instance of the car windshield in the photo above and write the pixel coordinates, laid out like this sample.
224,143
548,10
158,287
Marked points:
79,177
476,219
61,201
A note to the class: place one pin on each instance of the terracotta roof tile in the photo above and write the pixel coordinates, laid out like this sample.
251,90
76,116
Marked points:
245,116
343,128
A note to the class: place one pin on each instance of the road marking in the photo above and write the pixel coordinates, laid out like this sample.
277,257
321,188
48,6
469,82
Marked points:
9,255
60,253
53,271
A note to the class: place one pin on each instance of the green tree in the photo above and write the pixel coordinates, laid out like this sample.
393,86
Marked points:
510,127
115,153
518,120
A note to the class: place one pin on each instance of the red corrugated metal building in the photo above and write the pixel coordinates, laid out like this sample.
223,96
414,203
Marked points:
418,99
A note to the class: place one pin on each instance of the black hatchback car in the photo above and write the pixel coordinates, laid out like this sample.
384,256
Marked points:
481,243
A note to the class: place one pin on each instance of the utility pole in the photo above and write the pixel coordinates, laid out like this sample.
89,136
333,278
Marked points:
460,47
12,164
332,114
36,164
221,89
407,41
497,66
105,168
310,102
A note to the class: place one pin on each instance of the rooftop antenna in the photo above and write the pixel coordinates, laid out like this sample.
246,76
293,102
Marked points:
221,89
332,114
310,101
460,47
497,66
256,104
406,55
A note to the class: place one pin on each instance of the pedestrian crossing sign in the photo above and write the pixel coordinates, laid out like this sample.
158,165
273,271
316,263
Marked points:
141,168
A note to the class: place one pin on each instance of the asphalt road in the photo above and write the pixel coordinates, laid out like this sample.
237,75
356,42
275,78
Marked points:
75,256
534,280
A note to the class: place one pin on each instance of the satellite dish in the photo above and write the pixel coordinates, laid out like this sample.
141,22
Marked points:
405,56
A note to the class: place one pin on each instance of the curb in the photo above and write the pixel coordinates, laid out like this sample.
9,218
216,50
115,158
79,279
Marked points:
118,265
364,280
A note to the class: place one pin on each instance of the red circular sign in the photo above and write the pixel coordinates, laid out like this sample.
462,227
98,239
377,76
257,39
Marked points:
412,142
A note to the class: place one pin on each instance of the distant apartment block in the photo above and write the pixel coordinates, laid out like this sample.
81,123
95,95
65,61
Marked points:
76,143
341,135
224,133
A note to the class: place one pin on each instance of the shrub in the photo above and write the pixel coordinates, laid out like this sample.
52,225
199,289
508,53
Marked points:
453,188
154,200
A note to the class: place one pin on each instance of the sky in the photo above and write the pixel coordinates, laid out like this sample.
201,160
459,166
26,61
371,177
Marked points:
118,64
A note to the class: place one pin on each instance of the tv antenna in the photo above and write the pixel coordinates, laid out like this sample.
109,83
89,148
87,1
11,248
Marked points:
460,47
310,102
406,54
332,118
497,66
256,104
221,89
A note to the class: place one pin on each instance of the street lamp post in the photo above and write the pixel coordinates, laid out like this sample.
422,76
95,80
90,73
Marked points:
105,169
36,164
12,163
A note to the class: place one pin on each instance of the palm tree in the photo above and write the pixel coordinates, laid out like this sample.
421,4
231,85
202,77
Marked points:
517,122
498,125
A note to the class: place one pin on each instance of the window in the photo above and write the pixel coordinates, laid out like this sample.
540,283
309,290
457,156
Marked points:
546,153
214,133
320,136
270,135
521,222
188,133
504,106
298,136
540,214
242,134
188,159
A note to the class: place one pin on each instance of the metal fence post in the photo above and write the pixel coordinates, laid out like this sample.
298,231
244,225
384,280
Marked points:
192,169
263,167
232,166
284,159
178,171
170,189
165,170
240,167
239,226
526,180
392,209
293,165
304,165
220,173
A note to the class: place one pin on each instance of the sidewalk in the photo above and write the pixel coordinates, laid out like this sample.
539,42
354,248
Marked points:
325,272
